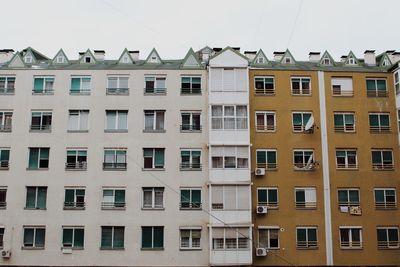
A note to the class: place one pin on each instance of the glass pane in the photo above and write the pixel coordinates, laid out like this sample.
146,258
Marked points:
384,120
67,237
106,236
185,196
123,120
158,237
342,194
120,196
148,120
196,197
41,197
111,117
31,197
381,85
38,85
381,234
297,120
79,237
159,158
301,234
349,118
33,158
28,236
353,195
271,157
300,196
75,84
373,120
118,237
312,234
147,237
273,195
40,237
371,85
338,120
261,157
69,195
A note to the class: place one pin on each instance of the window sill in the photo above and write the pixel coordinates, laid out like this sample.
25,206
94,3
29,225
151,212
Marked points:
154,131
37,169
113,208
103,248
40,131
74,208
191,94
49,93
75,169
266,131
152,249
190,249
77,131
346,169
306,208
7,93
116,131
155,94
73,248
118,94
4,168
79,93
388,248
190,131
32,248
153,169
191,209
153,209
25,208
190,169
307,248
351,248
272,94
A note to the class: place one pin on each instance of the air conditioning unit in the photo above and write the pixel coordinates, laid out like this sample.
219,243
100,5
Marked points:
259,172
355,210
6,254
262,209
261,252
66,250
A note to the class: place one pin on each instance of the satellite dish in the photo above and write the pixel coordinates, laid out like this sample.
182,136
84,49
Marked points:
309,124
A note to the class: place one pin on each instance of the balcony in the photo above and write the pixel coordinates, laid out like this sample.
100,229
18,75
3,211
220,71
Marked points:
379,129
345,128
190,166
231,257
270,204
155,91
5,128
190,91
190,206
40,128
117,91
114,166
4,164
74,205
190,128
76,165
113,205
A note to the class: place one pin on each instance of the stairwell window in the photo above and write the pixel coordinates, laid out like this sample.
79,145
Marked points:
303,122
155,85
232,238
230,197
78,120
304,160
4,158
388,237
76,159
190,198
7,85
153,158
342,86
346,159
154,121
267,197
385,198
112,237
34,237
5,120
350,237
80,85
266,158
41,121
190,85
344,122
36,197
268,237
38,158
43,85
348,197
301,86
306,238
306,197
265,121
118,85
74,198
264,85
113,198
190,238
229,157
116,121
229,117
379,122
382,159
376,87
73,237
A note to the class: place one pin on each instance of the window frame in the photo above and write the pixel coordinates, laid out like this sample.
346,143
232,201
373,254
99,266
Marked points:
308,244
345,128
152,247
264,91
266,127
36,197
116,127
386,244
115,165
154,113
6,120
189,204
223,117
346,165
386,204
307,204
382,165
34,241
225,158
297,128
302,166
267,165
190,238
156,90
113,229
301,89
190,166
216,206
236,240
118,90
5,159
268,229
379,128
191,127
339,91
349,203
153,158
41,127
6,90
81,90
39,159
76,165
76,205
114,205
191,90
3,198
154,190
79,113
269,204
350,244
45,80
376,92
73,245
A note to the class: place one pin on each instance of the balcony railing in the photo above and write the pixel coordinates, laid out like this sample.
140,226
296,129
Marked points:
347,166
74,205
305,166
217,206
268,166
5,127
117,91
189,206
269,204
40,127
7,91
80,92
155,91
114,166
301,129
388,205
350,244
191,91
76,165
190,166
113,205
377,93
265,128
388,244
306,205
345,128
262,91
340,92
4,164
190,128
3,205
306,244
43,92
349,204
379,129
301,91
383,166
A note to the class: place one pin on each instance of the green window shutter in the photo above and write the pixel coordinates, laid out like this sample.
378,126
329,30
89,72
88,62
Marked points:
28,236
106,236
300,196
80,192
79,237
31,197
40,237
340,153
262,196
271,157
272,196
373,120
33,158
384,120
158,237
118,237
185,153
371,85
269,80
261,157
38,85
159,158
69,195
67,236
147,237
75,84
41,197
381,234
381,85
338,119
196,197
376,157
185,79
379,196
301,235
120,196
296,119
185,196
342,196
312,234
4,155
82,153
196,153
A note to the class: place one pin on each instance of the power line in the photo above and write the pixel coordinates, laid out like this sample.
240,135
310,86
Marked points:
295,24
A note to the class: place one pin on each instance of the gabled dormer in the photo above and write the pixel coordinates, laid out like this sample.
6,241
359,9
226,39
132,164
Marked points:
260,59
191,60
351,60
16,61
153,58
326,60
87,58
125,58
385,61
60,58
288,58
29,58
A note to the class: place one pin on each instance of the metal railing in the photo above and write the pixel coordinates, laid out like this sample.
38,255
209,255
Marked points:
379,129
306,205
190,128
307,244
190,166
347,166
377,93
269,204
5,127
217,206
80,92
383,166
155,91
345,128
43,92
74,205
4,164
301,128
348,204
350,244
268,166
114,166
388,244
262,91
7,91
3,205
301,91
340,92
265,127
76,165
117,91
46,127
385,205
189,206
112,205
191,91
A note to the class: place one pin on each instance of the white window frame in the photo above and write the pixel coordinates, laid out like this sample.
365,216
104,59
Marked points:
265,165
269,204
348,203
191,245
264,90
307,245
42,113
267,128
5,89
382,165
116,127
191,113
191,166
346,158
73,228
153,191
303,122
154,112
234,117
118,89
81,89
301,89
352,244
35,228
46,79
307,204
268,229
217,206
157,89
387,245
396,79
380,128
346,128
75,206
342,91
386,204
304,163
79,113
112,204
3,120
236,157
238,236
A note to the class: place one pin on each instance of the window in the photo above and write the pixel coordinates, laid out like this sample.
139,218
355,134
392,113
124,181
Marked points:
382,159
326,61
350,237
228,79
74,198
153,197
116,121
113,198
396,82
301,86
7,85
268,238
265,121
38,158
306,198
76,159
88,59
348,197
232,238
346,159
388,237
5,121
117,86
191,121
190,159
4,158
80,85
230,157
41,121
43,85
73,237
112,237
154,120
190,238
34,236
36,197
1,237
304,160
153,237
78,120
266,158
306,237
342,86
190,85
155,85
385,198
267,197
190,198
228,117
230,197
344,122
264,85
3,198
376,87
153,158
303,122
114,159
379,122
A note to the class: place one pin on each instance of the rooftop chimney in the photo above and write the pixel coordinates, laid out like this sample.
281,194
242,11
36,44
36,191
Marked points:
343,59
99,54
394,57
278,55
369,57
134,54
250,54
236,48
314,56
6,55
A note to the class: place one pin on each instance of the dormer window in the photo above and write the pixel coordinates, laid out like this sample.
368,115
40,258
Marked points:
260,60
28,59
60,59
87,59
326,61
385,62
125,59
351,61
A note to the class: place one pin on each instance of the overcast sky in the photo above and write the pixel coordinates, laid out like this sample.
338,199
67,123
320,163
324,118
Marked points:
173,26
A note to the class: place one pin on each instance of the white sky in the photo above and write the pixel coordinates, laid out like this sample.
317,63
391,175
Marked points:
173,26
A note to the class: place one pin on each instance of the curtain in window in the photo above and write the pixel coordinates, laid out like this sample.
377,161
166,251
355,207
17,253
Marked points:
109,156
148,120
159,158
160,120
371,85
349,119
160,83
122,120
158,197
216,117
38,85
111,117
31,197
185,198
108,196
41,197
112,82
121,156
123,82
147,198
69,195
196,198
